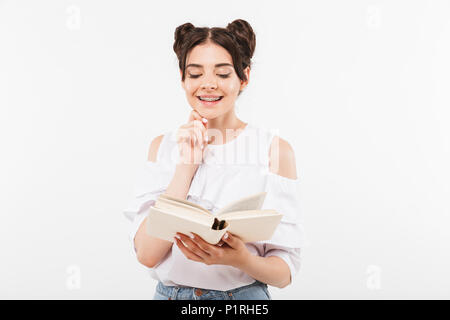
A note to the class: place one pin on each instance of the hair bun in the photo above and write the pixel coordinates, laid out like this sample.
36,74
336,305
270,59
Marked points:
244,35
180,34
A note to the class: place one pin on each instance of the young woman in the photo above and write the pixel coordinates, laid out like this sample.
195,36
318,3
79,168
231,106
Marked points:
198,162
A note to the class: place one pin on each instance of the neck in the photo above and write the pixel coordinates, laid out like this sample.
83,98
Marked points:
227,120
227,124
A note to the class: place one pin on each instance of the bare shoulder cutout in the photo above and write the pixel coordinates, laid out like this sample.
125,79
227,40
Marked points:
154,147
282,158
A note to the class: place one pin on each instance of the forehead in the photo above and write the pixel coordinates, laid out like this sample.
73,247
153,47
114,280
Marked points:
208,56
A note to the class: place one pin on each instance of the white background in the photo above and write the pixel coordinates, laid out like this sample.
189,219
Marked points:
360,89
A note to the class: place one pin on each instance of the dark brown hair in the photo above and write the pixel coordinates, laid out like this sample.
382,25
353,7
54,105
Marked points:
237,38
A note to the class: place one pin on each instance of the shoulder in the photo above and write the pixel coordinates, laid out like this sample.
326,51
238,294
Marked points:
282,158
154,147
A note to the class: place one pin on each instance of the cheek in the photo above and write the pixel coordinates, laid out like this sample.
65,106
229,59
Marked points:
230,87
190,87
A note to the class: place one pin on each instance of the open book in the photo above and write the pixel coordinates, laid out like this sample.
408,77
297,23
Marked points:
243,218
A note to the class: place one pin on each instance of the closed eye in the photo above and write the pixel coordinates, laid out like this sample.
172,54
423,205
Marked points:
195,76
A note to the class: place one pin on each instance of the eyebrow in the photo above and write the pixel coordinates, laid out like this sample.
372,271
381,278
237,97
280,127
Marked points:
216,66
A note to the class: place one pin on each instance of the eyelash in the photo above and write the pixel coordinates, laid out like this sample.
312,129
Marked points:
198,75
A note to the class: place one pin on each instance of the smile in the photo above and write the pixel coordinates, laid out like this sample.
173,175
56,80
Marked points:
209,101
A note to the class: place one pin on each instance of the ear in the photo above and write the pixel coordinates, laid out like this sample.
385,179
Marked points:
244,83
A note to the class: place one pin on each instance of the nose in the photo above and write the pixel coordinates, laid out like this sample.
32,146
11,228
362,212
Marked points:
209,84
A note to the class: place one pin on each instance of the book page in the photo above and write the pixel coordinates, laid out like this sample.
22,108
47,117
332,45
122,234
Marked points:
254,228
165,224
172,201
183,214
248,214
253,202
182,209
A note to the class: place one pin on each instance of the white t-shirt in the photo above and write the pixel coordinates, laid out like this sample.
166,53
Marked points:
229,172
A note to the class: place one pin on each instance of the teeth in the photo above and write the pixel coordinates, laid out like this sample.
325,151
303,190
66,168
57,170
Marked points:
209,99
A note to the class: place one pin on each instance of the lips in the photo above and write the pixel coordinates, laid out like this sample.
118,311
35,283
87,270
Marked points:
209,104
220,98
209,96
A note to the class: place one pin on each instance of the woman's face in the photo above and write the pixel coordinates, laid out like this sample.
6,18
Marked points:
210,72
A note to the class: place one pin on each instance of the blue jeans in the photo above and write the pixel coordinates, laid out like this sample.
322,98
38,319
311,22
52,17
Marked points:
255,291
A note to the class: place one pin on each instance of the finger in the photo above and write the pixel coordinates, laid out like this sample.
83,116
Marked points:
187,137
192,139
231,240
182,134
195,139
205,246
198,136
200,118
205,123
189,254
200,131
193,246
194,115
197,115
220,243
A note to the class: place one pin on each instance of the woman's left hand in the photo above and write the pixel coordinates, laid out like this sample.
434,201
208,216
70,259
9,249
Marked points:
233,252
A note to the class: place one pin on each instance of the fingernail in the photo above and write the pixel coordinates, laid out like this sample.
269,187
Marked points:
178,237
225,236
204,120
191,235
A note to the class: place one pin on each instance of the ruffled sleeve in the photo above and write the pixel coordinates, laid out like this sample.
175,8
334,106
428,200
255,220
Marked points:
283,195
152,181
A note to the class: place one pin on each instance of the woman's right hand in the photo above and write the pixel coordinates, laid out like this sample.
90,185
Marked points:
192,140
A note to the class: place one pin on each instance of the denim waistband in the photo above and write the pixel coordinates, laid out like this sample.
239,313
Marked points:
254,291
